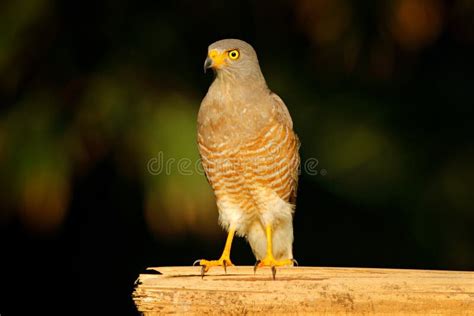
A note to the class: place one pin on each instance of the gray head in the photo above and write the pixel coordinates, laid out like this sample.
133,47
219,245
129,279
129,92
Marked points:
233,58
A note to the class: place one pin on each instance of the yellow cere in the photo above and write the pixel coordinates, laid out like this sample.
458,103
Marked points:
218,58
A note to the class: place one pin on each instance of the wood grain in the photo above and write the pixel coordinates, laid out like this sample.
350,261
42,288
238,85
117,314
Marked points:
301,290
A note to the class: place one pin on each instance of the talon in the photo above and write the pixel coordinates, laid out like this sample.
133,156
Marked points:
295,262
224,259
269,260
207,264
256,266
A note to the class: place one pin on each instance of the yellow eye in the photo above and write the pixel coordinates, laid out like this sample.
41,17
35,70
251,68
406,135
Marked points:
234,54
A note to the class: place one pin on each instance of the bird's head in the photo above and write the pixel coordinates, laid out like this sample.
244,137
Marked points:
232,57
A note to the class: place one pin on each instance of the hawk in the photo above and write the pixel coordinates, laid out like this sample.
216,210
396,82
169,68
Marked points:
249,152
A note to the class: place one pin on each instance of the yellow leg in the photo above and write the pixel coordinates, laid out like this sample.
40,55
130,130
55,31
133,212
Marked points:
269,260
224,260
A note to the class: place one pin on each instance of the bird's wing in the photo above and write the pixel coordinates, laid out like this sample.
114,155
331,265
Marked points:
289,153
207,164
282,111
295,172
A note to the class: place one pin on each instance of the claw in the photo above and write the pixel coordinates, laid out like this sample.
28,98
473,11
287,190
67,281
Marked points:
207,264
203,268
256,266
273,264
295,262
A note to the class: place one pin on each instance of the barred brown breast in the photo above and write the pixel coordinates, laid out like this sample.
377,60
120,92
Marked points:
236,170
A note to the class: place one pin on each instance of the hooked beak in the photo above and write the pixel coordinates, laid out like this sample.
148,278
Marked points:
216,59
207,64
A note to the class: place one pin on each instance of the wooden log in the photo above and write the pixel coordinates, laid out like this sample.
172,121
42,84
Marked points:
298,290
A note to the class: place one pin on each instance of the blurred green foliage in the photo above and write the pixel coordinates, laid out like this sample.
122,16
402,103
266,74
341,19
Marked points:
380,93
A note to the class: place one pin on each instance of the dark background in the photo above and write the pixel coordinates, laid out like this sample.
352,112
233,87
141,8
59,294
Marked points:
381,94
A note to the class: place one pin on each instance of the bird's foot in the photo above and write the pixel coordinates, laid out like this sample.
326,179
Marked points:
223,261
269,261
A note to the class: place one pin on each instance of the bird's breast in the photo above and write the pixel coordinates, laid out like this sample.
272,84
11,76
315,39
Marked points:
254,172
232,120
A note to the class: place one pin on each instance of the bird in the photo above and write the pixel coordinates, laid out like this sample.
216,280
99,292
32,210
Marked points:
250,155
